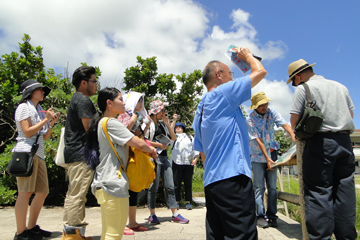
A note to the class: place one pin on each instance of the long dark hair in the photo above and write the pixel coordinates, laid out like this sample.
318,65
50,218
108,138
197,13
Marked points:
91,148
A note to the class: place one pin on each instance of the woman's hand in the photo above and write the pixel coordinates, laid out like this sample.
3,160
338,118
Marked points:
194,161
54,119
175,117
49,114
153,154
148,124
163,146
166,120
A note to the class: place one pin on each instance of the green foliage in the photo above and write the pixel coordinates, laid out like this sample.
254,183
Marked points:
280,137
15,68
144,78
243,111
7,183
197,184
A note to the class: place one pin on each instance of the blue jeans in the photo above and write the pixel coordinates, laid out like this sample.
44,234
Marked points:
163,169
259,174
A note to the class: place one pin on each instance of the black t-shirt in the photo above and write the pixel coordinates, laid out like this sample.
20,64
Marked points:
160,129
75,135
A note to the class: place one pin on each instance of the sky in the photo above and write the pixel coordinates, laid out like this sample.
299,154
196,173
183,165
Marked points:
185,35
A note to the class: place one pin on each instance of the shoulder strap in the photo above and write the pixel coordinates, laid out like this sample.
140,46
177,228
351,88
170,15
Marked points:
104,127
308,93
190,137
35,146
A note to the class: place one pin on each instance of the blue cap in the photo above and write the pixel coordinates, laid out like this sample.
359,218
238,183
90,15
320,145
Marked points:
180,124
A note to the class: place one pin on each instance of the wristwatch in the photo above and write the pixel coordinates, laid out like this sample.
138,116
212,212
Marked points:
50,127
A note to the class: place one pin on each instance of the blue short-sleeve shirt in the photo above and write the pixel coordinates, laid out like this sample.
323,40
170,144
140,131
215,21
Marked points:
222,133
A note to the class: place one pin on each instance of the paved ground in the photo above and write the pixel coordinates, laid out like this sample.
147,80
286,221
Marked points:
51,219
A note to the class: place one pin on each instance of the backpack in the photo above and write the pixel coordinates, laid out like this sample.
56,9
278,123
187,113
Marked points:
311,119
140,170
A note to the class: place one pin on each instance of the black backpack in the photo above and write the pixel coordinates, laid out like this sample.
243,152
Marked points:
311,119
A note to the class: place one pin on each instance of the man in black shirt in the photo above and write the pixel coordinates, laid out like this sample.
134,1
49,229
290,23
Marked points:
78,119
163,166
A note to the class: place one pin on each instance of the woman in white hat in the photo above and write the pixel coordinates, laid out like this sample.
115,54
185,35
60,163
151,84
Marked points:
32,123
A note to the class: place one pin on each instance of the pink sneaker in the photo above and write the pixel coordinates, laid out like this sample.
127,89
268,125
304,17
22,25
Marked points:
179,219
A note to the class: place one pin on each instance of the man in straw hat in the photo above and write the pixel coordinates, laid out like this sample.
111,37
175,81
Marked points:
328,158
221,135
263,152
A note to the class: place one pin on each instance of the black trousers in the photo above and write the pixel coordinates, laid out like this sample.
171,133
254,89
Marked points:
330,198
133,198
230,211
183,173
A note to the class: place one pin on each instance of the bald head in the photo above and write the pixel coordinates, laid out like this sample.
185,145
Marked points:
210,70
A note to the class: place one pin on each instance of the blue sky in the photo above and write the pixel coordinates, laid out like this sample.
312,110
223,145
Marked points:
185,35
325,32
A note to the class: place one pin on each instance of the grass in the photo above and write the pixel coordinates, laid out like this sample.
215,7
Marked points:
197,183
357,179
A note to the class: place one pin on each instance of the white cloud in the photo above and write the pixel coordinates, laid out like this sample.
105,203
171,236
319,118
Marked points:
110,34
281,94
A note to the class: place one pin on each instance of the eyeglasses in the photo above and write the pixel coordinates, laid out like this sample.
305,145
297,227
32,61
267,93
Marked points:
293,81
162,110
264,105
94,81
231,73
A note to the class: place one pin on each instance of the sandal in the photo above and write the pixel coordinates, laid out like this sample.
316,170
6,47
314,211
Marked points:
128,231
140,227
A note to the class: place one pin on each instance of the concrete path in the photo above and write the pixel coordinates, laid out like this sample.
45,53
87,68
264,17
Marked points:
51,219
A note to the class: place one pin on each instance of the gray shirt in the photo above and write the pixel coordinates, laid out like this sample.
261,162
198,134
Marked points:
105,176
332,98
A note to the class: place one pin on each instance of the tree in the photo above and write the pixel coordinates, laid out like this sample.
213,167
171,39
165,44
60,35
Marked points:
15,68
144,78
281,138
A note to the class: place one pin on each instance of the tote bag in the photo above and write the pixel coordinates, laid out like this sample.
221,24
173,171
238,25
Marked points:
59,158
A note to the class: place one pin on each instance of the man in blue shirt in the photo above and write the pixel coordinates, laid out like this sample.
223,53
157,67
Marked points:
221,135
263,150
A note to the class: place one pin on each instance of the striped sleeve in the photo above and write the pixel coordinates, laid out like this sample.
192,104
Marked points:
22,112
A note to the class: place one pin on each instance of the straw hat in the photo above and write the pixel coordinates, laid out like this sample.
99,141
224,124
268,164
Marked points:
296,67
258,99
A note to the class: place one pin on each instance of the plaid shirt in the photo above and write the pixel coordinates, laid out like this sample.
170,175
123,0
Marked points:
263,127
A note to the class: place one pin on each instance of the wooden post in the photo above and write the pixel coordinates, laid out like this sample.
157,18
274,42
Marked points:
299,152
279,177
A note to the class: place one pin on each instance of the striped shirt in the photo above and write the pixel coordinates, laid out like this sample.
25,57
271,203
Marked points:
24,144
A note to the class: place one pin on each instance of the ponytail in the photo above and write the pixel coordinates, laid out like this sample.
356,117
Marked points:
91,148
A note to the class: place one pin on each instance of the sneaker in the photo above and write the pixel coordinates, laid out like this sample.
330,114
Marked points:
26,235
177,206
261,222
179,219
188,206
154,220
272,222
38,230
